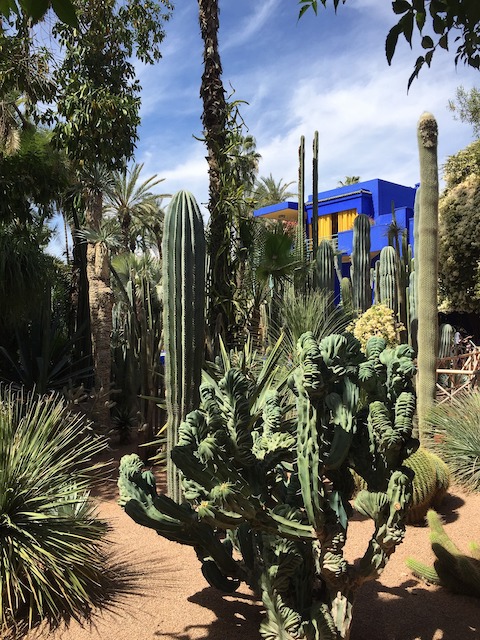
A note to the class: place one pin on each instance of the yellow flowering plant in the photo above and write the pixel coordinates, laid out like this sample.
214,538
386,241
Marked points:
378,320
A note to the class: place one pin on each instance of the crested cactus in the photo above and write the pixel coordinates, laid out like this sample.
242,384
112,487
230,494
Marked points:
426,263
360,272
272,481
183,250
456,571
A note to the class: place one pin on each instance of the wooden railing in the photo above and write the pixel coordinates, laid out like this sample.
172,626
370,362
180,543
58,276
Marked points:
457,373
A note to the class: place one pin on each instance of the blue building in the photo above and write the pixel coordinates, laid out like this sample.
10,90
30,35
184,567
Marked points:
338,208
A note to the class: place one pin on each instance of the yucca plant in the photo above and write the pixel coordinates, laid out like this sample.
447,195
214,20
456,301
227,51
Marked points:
52,555
453,433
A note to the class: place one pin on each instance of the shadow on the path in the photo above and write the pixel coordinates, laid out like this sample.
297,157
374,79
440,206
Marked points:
412,612
238,617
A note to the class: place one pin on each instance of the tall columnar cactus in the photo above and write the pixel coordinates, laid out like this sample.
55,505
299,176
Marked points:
183,251
325,267
360,273
274,483
426,263
315,196
388,279
301,225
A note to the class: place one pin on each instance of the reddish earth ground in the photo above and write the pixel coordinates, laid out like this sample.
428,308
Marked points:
170,599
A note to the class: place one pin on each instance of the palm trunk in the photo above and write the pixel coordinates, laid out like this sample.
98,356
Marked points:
101,303
214,119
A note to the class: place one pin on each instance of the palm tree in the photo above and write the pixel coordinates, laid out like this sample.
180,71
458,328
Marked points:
135,206
349,180
268,191
214,119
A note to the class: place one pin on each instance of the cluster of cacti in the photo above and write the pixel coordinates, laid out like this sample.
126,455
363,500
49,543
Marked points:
183,256
430,483
273,483
452,569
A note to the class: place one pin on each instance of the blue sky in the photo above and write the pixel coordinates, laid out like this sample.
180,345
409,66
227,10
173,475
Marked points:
327,73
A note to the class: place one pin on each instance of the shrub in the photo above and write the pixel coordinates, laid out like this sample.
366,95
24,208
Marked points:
379,321
453,433
52,565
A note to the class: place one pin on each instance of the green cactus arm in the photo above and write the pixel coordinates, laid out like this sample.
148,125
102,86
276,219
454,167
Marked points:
423,571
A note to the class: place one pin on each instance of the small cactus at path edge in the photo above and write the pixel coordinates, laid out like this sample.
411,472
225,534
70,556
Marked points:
452,569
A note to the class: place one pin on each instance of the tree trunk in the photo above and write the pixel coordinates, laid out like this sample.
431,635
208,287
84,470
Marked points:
214,119
101,303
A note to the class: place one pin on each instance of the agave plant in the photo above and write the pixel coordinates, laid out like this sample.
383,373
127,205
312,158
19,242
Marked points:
52,561
453,434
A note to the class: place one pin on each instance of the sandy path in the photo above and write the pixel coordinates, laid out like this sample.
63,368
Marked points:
172,601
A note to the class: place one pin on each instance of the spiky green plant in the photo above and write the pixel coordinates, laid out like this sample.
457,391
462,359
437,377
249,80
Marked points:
452,432
313,311
452,569
52,561
272,480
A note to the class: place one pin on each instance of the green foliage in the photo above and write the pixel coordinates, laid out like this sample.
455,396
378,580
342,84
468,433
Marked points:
452,569
272,481
36,11
269,191
459,250
452,433
466,107
98,96
34,176
52,562
461,165
442,19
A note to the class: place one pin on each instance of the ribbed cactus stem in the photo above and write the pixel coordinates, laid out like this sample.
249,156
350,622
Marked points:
301,236
362,292
183,249
315,196
427,265
346,294
446,336
388,275
325,267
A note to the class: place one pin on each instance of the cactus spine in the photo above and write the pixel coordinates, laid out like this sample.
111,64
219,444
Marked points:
362,292
426,263
183,249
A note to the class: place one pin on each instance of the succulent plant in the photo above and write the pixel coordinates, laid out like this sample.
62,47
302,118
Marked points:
183,250
452,569
271,479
